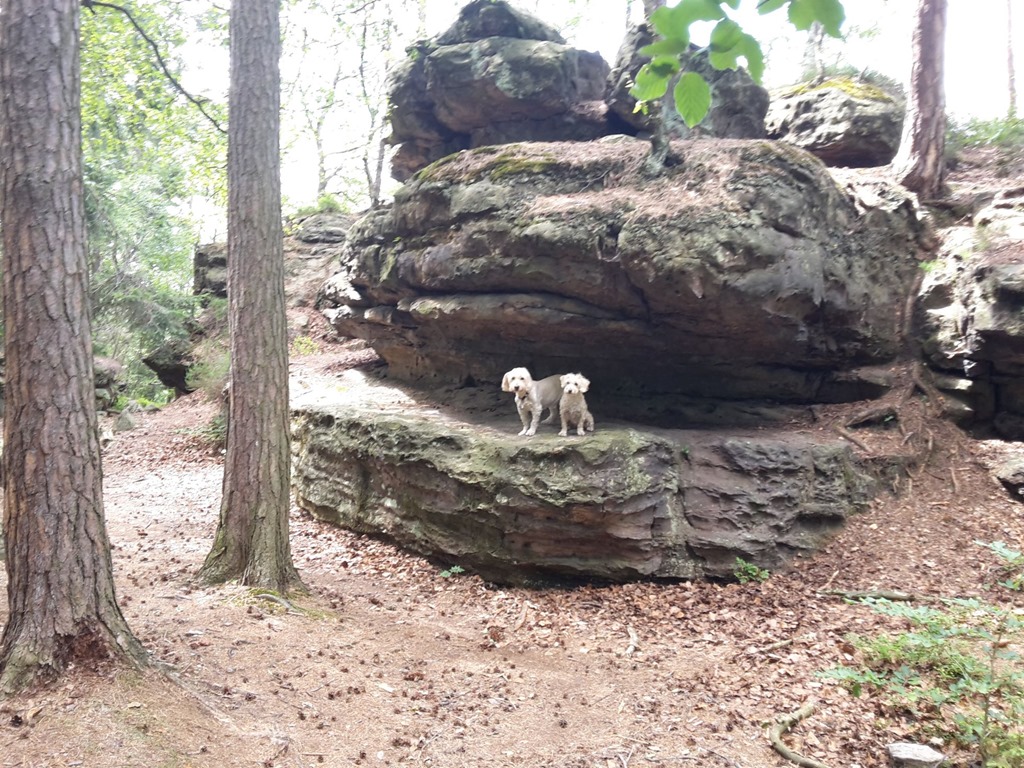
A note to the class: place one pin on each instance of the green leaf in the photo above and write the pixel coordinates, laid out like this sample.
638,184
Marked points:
831,15
770,6
803,13
674,23
723,59
750,49
725,36
734,4
693,98
652,81
664,67
672,47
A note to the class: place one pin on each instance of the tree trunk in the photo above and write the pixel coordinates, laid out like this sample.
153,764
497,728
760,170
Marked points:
650,6
1011,69
919,163
60,589
251,542
814,53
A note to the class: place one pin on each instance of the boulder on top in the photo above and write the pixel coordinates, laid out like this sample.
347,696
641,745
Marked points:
497,75
843,121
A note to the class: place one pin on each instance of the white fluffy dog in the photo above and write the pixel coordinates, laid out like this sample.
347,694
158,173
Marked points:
532,397
573,405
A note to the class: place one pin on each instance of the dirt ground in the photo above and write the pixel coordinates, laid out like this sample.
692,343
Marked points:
390,661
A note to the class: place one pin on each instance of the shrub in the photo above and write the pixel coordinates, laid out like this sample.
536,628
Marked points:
954,671
745,572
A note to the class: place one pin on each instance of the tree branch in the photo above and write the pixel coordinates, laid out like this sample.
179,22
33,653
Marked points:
93,4
784,724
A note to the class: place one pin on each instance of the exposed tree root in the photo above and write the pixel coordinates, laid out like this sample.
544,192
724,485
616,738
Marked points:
911,416
844,432
878,594
782,725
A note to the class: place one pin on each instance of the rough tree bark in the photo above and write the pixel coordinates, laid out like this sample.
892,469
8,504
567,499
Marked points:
251,543
654,165
919,163
60,586
1011,68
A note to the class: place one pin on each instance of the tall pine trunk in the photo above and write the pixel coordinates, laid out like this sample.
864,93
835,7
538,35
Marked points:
919,164
60,588
251,543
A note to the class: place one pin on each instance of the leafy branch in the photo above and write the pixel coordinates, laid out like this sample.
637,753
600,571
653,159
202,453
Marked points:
199,103
728,44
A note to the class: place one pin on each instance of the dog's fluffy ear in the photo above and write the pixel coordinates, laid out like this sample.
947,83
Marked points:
562,378
505,386
584,383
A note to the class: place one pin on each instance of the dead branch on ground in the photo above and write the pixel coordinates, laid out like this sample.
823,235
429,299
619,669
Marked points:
785,723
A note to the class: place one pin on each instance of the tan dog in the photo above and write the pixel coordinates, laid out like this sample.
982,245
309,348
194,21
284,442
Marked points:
532,397
573,405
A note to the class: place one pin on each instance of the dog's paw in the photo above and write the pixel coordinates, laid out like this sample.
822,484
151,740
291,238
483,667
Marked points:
564,433
529,432
524,431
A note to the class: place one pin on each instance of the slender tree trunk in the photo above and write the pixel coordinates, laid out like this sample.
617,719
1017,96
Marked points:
814,54
60,588
421,19
1011,69
650,6
251,542
658,111
919,163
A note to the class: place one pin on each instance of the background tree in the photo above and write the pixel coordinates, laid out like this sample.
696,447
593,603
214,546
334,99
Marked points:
340,108
148,152
251,542
919,162
60,586
1010,68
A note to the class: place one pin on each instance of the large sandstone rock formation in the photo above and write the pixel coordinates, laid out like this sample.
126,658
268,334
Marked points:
741,283
744,274
501,76
459,484
842,121
971,313
498,75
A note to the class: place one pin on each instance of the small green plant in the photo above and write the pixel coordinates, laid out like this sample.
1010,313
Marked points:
954,671
215,431
328,204
745,572
454,570
1013,564
303,345
210,368
1003,133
